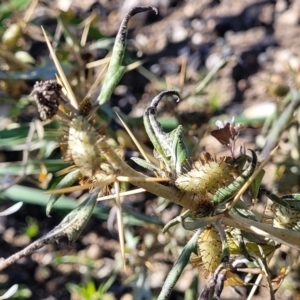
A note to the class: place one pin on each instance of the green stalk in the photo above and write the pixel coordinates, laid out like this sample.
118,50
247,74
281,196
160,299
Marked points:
178,267
115,69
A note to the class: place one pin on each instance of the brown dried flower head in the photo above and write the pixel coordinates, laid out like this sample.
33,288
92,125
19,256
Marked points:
86,107
47,95
227,133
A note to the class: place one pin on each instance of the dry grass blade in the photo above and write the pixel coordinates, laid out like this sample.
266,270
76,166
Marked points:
61,73
97,81
255,286
106,182
146,179
98,63
82,187
86,27
138,145
30,10
266,272
123,194
135,65
64,171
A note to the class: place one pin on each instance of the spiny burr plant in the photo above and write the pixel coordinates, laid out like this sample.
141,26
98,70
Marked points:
210,190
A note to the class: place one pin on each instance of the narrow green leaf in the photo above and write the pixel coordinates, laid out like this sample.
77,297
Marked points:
110,83
141,162
67,181
208,78
178,267
75,221
6,8
282,122
193,224
255,185
70,38
32,167
35,196
290,201
71,226
115,69
19,105
17,132
46,71
241,209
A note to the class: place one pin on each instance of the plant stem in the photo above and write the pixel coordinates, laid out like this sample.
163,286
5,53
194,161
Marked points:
181,198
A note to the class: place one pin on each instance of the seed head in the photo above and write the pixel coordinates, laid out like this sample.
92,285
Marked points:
46,95
209,248
207,178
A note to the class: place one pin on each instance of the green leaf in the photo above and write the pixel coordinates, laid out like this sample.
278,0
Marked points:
281,122
208,78
15,139
19,105
70,38
290,201
75,221
46,71
110,83
32,227
115,69
255,185
223,195
147,165
178,267
241,209
32,167
189,223
67,181
35,196
6,8
170,147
